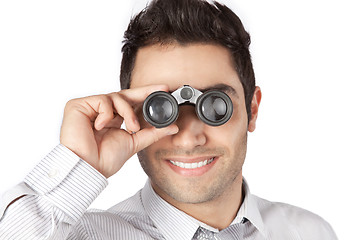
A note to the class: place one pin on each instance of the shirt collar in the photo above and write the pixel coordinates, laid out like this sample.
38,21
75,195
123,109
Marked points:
249,210
171,222
175,224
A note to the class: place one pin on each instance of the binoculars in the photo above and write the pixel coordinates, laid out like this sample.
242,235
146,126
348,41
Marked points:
213,107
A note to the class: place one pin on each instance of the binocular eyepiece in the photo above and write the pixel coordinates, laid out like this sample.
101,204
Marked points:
213,107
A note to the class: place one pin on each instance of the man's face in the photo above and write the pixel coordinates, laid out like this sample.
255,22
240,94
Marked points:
202,66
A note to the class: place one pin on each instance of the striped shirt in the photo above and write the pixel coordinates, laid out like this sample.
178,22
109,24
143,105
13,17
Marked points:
58,191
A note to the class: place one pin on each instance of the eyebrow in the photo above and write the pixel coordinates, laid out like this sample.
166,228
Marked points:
221,87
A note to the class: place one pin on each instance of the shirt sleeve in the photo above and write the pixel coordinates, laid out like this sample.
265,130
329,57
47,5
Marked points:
52,198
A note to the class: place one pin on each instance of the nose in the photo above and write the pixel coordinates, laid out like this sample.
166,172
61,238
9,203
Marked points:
191,129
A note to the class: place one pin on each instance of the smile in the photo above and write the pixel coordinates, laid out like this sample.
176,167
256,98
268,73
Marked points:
192,165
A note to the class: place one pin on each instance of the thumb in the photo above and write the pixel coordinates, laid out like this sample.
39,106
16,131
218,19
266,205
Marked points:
148,136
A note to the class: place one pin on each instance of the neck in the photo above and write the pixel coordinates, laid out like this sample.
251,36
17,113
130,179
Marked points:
217,213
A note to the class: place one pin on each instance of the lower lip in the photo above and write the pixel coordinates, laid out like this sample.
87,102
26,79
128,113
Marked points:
186,172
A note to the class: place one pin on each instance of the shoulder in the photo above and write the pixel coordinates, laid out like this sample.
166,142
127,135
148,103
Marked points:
127,211
298,221
127,219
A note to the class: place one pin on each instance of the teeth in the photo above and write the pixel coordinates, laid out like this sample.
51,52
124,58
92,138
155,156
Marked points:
192,165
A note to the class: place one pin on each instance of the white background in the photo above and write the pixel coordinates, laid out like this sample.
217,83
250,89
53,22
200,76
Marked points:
305,150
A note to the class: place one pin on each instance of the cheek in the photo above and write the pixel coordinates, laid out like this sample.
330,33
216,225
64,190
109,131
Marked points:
234,130
231,133
238,122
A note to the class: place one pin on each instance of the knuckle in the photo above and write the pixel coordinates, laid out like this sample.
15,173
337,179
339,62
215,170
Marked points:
122,105
103,99
104,103
115,95
70,104
123,94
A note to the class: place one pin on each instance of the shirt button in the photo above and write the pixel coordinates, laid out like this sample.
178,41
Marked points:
53,173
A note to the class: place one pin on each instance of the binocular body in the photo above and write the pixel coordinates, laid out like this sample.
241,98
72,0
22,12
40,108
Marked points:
213,107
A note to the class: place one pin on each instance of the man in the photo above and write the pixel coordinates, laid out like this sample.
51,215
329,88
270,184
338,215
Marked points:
196,188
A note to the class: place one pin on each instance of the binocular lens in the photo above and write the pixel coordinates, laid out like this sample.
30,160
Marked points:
213,108
160,109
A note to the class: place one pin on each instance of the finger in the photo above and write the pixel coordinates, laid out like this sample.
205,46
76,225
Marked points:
124,109
148,136
138,95
103,106
115,122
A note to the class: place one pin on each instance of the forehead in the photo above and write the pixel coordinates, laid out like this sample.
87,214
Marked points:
197,65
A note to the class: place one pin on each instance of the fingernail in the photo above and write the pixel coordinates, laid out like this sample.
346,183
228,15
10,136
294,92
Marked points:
100,126
172,131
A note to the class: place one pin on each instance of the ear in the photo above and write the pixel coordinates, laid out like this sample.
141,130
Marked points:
255,103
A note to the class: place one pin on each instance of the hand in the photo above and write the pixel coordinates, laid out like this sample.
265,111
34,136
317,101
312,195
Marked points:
91,128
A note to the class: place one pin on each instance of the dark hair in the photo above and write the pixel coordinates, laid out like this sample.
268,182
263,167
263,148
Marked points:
186,22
